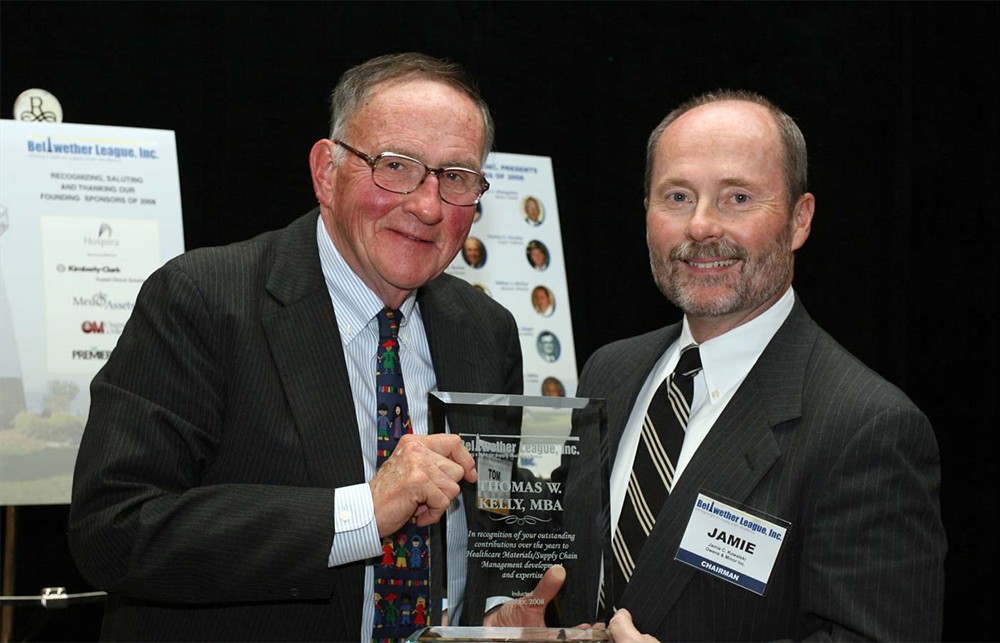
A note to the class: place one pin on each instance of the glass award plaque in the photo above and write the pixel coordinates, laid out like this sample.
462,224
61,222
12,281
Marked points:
541,500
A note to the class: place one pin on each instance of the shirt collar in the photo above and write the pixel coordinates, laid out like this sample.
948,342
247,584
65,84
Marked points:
727,359
355,303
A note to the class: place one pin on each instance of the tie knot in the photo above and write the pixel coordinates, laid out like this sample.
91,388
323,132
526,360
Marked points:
388,323
690,362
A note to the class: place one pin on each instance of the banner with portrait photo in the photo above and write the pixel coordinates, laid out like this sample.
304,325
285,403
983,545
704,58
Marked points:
514,254
87,212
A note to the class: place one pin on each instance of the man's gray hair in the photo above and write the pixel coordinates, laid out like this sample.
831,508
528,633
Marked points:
794,157
358,83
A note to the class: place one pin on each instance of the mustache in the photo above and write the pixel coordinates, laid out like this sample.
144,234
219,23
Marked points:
691,251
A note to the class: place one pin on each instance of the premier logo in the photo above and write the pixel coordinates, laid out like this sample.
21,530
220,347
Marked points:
91,353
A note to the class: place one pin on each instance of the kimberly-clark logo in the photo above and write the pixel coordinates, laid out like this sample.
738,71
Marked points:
101,300
62,267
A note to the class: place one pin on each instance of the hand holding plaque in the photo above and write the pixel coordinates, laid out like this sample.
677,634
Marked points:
421,478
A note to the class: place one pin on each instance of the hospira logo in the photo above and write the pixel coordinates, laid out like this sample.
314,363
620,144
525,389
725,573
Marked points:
112,150
103,238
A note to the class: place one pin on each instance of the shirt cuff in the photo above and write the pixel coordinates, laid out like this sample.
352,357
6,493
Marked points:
355,531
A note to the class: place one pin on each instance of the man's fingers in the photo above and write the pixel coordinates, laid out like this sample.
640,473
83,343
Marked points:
623,615
420,479
435,506
451,447
623,629
452,471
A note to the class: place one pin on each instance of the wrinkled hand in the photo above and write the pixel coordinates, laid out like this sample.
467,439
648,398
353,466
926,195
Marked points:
529,610
420,479
622,629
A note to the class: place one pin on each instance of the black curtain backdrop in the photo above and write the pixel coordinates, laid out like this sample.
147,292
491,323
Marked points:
898,102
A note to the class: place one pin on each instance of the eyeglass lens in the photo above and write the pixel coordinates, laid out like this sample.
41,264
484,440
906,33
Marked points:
400,174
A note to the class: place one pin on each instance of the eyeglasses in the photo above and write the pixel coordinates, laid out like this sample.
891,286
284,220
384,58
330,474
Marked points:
402,175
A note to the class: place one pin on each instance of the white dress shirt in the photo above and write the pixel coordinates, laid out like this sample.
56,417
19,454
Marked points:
356,533
725,360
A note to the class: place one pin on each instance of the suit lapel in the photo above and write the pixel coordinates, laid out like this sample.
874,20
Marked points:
735,455
624,386
305,343
448,329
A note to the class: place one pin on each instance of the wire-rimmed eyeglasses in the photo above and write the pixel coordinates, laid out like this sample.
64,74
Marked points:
403,174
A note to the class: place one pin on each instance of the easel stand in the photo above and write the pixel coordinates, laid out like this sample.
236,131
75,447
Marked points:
9,538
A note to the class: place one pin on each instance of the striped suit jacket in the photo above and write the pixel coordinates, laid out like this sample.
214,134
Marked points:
219,428
814,437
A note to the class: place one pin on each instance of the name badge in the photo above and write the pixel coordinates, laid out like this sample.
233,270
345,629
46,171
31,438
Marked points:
736,543
493,491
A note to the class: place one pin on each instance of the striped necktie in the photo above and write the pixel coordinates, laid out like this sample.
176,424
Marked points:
656,457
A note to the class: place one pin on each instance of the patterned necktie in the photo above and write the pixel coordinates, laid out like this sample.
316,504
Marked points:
653,469
401,576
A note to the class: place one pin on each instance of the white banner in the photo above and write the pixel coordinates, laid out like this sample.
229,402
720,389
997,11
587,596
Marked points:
515,255
87,212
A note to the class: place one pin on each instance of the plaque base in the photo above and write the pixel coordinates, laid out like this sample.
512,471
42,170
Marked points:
520,634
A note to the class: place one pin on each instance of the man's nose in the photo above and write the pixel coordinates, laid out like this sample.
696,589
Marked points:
425,202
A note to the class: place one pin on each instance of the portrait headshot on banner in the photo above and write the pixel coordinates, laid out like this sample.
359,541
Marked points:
552,387
474,252
538,255
543,301
548,346
534,214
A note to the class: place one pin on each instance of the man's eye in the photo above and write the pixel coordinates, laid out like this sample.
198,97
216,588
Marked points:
677,197
395,166
741,198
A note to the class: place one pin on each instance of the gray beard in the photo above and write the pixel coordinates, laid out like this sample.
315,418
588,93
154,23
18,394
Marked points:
761,277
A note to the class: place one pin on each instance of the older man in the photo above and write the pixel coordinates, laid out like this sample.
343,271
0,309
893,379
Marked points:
746,416
252,449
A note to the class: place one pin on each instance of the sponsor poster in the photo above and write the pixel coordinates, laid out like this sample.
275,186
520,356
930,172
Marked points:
86,214
514,254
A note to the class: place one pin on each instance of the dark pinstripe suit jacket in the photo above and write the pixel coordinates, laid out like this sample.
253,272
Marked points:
816,438
218,431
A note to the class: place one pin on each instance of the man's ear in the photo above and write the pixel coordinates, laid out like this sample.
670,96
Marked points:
802,216
321,167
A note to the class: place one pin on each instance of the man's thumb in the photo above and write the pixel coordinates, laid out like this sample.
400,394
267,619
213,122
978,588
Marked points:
550,583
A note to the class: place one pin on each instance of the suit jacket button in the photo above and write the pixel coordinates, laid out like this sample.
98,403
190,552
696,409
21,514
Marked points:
294,592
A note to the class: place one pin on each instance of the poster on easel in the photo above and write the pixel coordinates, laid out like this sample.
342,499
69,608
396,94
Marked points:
87,212
514,254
